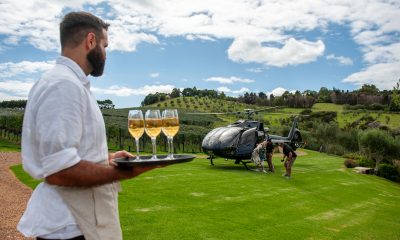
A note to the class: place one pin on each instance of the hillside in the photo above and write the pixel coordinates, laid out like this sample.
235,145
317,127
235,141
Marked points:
345,117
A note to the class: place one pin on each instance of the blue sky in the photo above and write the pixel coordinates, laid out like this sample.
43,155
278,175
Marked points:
231,46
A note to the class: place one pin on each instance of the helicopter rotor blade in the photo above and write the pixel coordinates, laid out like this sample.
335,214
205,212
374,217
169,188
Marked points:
291,114
248,112
205,113
265,109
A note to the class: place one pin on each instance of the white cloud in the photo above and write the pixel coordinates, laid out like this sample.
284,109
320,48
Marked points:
279,91
127,41
201,37
383,54
228,90
224,89
383,70
11,69
18,89
154,75
122,91
230,80
293,52
256,28
342,60
254,70
6,97
241,91
382,75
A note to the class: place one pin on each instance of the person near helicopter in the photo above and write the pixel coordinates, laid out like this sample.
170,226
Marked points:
269,150
289,156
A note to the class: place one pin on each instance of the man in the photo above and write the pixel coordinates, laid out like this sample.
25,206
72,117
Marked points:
290,156
269,146
64,143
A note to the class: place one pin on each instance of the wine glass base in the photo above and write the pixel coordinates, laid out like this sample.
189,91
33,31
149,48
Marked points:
170,156
154,157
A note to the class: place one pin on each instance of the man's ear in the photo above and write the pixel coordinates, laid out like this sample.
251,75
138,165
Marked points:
91,41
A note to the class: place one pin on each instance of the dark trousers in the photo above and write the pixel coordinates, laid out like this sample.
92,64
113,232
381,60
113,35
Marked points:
75,238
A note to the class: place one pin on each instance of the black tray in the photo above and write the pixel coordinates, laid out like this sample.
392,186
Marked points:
146,161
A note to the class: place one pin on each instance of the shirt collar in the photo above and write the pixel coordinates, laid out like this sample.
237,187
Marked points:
75,68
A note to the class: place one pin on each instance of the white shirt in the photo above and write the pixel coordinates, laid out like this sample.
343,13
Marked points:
62,125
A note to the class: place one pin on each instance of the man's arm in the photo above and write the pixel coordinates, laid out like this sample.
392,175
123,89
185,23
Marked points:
87,174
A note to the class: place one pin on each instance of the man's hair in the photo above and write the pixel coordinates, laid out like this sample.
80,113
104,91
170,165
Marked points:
76,25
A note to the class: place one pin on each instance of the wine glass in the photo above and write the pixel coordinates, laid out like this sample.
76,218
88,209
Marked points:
170,127
136,127
153,127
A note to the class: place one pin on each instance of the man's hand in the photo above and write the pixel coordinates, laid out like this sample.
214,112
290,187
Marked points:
130,172
119,154
86,173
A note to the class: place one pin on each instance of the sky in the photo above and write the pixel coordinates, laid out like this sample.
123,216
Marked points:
234,46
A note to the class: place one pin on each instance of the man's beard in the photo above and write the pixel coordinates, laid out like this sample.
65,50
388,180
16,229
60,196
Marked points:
96,59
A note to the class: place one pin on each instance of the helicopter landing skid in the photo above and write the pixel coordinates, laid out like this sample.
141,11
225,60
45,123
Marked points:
211,160
243,162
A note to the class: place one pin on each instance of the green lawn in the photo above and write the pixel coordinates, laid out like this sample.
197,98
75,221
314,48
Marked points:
8,146
323,200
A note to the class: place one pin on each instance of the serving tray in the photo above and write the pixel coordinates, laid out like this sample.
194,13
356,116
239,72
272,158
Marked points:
146,161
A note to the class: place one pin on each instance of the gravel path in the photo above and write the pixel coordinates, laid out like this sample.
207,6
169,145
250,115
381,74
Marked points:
13,197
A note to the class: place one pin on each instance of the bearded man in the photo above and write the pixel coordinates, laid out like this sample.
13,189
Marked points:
64,143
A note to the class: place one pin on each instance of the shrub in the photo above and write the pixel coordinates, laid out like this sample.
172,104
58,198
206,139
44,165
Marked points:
396,164
388,171
306,111
353,155
350,163
366,162
335,149
376,106
348,139
377,145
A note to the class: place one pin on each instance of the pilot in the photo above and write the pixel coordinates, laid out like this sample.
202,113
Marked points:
290,156
269,146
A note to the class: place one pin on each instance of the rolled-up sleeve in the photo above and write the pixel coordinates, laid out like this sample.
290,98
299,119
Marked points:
59,127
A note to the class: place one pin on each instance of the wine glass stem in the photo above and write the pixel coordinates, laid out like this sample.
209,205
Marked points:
170,146
137,148
153,142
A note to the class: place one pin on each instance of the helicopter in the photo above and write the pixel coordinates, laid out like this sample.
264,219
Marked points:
237,140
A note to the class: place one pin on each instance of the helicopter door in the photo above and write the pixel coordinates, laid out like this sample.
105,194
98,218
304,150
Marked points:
247,142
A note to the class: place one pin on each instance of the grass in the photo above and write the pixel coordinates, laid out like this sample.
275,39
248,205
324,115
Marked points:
323,200
24,176
8,146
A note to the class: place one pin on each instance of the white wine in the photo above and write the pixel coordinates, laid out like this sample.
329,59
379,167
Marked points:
136,127
170,126
153,127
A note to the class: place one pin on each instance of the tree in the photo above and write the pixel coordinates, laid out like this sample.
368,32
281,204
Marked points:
369,89
324,95
13,104
105,104
378,145
395,98
176,92
262,95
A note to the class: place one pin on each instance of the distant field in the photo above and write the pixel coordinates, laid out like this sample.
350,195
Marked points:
323,200
392,120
